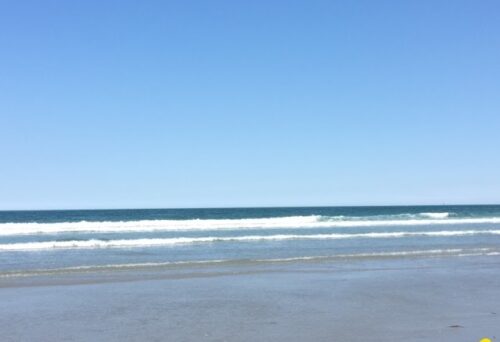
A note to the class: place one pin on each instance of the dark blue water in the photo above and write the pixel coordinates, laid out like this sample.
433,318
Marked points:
47,216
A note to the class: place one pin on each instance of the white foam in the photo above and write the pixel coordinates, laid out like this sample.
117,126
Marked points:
435,215
290,222
132,243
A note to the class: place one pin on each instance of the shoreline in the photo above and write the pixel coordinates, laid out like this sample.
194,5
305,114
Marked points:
212,268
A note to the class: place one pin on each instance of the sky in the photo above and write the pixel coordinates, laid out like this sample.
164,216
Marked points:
166,104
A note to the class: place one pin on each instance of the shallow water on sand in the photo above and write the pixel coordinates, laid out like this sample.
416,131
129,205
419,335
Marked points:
417,299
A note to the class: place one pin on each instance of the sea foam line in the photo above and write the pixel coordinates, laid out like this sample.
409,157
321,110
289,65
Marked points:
222,262
290,222
152,242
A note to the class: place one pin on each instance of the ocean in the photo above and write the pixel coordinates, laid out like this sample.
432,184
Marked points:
414,273
72,241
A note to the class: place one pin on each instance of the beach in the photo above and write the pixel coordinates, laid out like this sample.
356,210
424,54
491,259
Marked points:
438,299
270,274
237,171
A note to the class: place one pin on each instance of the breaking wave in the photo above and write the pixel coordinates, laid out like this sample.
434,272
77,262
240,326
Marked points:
152,242
290,222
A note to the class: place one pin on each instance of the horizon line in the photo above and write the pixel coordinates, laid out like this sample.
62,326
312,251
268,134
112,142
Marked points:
261,207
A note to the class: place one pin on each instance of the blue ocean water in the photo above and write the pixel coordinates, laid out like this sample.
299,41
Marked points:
72,240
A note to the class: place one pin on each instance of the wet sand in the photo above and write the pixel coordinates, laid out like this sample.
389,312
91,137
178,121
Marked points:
434,299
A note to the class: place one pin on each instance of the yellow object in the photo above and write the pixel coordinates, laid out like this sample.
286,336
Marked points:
485,340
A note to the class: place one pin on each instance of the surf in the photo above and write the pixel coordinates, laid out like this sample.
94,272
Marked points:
161,242
288,222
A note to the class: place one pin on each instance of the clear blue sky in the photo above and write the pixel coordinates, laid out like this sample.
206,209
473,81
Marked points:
108,104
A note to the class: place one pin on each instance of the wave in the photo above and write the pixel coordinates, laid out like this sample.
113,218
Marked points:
228,262
290,222
159,242
435,215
